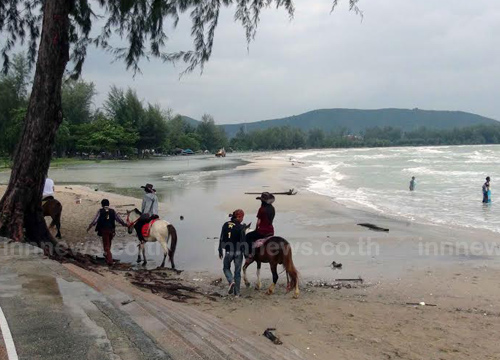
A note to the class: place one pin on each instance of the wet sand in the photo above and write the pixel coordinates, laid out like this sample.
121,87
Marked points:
369,321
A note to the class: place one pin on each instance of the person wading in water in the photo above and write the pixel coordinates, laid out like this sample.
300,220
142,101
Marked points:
232,240
264,227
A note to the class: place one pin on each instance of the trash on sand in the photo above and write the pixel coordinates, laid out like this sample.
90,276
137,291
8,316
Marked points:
373,227
336,265
182,217
420,304
268,334
216,282
358,279
127,301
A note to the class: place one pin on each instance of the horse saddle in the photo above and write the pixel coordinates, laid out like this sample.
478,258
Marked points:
146,228
258,243
46,199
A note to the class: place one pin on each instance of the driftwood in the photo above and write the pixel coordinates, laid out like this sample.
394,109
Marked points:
289,192
358,279
373,227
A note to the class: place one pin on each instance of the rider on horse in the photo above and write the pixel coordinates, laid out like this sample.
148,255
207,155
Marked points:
232,239
149,209
264,227
48,190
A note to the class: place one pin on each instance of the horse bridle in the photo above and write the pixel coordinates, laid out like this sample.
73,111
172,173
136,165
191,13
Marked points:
130,224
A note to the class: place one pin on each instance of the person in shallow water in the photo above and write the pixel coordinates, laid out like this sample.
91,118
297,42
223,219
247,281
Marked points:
265,217
486,190
232,240
413,183
149,209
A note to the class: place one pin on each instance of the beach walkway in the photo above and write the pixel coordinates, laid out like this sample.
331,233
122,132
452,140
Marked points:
57,311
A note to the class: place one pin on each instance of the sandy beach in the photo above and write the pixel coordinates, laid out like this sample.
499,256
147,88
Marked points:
371,320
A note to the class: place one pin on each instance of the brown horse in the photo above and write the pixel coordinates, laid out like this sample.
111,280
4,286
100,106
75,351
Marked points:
53,208
275,251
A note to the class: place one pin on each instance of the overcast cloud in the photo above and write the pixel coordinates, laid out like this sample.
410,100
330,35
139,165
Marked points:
428,54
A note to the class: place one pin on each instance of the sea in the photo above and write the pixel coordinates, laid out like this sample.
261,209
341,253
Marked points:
449,181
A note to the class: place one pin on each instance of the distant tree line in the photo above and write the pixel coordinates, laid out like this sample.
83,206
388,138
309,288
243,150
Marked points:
281,138
124,126
128,126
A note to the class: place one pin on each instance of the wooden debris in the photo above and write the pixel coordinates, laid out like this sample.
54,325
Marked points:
358,279
373,227
289,192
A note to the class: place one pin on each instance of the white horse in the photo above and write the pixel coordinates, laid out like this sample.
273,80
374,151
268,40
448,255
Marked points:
161,231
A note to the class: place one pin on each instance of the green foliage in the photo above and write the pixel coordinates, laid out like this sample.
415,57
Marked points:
105,135
77,97
13,102
211,136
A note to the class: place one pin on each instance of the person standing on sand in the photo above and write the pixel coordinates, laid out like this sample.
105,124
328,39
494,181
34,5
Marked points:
264,227
232,239
413,183
149,209
105,220
486,190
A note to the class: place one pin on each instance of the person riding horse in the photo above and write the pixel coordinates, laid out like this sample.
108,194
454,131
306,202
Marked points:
149,209
264,227
48,190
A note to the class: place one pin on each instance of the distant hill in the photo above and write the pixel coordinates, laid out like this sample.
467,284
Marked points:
358,120
190,121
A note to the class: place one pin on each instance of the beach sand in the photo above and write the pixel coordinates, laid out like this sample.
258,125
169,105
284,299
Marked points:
367,321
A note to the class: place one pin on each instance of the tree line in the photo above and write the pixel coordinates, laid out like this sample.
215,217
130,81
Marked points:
286,137
124,126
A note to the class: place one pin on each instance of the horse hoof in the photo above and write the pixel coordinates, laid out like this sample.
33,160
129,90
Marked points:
269,292
59,236
295,296
144,263
247,284
139,260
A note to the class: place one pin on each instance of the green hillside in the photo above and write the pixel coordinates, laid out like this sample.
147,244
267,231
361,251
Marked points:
355,121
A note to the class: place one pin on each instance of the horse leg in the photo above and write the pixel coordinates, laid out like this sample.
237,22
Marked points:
274,270
245,279
287,282
144,254
258,285
139,253
58,226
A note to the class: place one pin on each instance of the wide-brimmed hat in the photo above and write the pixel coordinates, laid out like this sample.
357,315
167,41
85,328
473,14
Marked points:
266,197
148,186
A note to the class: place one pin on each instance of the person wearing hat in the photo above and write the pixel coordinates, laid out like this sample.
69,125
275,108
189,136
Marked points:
232,240
149,209
105,220
486,191
265,217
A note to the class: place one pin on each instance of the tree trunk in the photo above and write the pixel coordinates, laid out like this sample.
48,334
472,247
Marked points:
20,207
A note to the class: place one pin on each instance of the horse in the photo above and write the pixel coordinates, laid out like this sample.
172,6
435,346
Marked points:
53,208
161,231
276,251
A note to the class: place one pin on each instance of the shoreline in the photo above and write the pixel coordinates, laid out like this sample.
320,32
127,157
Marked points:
368,321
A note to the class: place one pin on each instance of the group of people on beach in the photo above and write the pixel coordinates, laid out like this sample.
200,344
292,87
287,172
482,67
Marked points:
233,238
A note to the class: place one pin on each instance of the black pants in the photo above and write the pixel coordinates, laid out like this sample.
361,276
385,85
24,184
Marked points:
144,219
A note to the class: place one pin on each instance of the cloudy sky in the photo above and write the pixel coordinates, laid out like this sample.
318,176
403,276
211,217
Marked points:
428,54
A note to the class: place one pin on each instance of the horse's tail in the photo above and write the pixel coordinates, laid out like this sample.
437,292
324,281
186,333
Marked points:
289,266
172,233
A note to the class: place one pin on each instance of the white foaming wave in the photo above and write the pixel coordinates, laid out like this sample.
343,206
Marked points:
430,150
376,156
426,171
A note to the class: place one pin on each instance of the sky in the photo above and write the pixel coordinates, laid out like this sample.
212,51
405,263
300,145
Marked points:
434,55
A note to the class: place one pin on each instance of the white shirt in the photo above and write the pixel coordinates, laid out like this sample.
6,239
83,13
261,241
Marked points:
48,189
